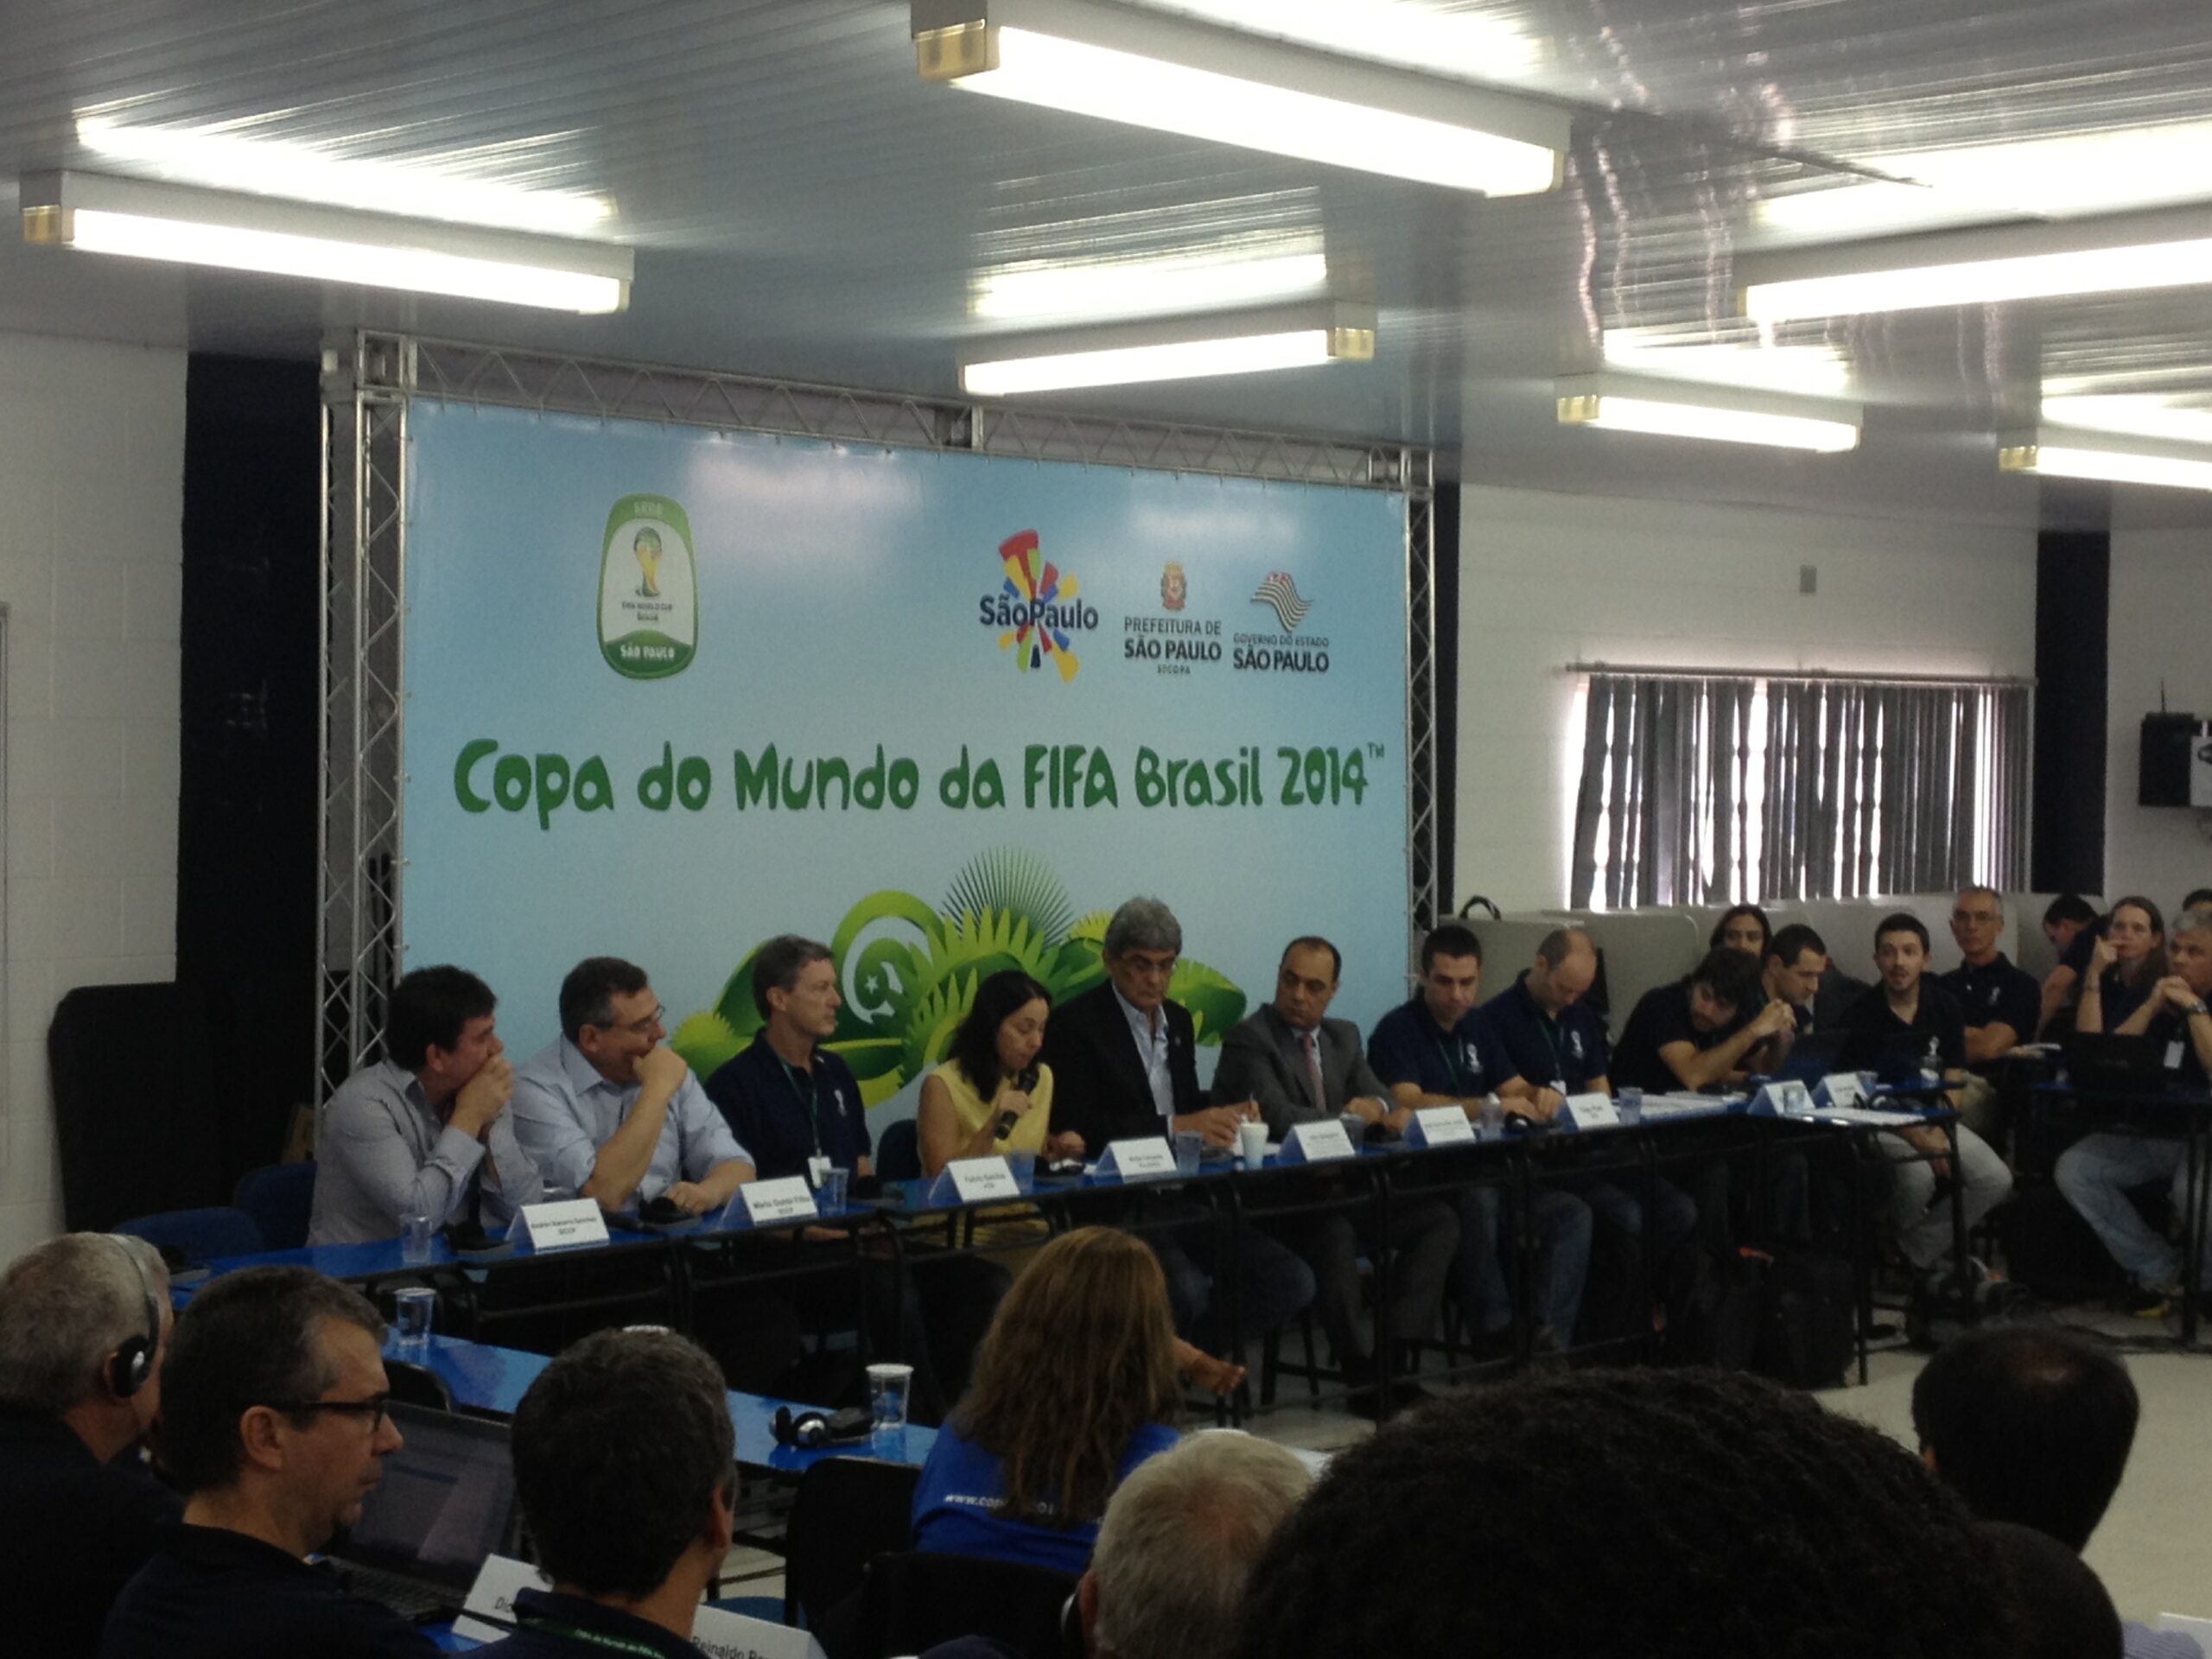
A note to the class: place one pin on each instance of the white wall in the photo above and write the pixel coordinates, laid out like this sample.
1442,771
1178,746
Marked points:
1547,580
2161,601
92,501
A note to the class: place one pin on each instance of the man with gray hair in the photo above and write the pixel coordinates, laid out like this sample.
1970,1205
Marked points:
2002,1002
1124,1066
2097,1173
83,1319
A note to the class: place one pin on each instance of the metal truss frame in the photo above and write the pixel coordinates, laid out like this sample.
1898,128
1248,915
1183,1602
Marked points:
368,381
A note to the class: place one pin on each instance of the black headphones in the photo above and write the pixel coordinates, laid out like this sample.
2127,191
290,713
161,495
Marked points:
809,1430
131,1364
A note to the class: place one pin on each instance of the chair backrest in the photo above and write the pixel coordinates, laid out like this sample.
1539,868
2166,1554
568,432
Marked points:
912,1602
847,1512
416,1385
197,1235
898,1152
279,1198
134,1119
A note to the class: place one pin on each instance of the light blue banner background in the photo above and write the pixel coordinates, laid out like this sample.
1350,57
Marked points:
839,592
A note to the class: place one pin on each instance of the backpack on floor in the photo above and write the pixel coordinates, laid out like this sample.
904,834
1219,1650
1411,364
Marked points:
1808,1320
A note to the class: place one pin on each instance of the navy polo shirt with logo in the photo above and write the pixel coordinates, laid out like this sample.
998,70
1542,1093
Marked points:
1663,1018
1570,1050
1997,993
1466,1063
1877,1040
783,1116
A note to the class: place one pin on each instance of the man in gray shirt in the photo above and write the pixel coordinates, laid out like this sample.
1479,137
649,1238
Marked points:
425,1131
611,1113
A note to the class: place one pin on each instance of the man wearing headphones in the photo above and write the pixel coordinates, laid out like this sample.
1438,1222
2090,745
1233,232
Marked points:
83,1319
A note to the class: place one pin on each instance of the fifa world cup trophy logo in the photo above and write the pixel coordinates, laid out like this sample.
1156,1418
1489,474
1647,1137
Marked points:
647,548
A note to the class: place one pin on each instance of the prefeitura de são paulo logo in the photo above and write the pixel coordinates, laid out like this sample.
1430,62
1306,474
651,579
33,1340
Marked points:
1035,608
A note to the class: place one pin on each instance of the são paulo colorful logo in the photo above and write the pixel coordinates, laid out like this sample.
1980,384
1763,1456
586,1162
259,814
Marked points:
1035,608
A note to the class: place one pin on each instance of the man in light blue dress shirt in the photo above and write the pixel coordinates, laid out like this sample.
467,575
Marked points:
610,1113
426,1130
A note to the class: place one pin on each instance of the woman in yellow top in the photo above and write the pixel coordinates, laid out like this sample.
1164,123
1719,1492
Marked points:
991,1096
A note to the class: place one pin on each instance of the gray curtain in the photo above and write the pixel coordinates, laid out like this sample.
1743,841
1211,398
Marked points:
1868,787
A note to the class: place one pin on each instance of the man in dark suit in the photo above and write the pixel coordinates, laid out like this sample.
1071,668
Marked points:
1124,1066
1301,1067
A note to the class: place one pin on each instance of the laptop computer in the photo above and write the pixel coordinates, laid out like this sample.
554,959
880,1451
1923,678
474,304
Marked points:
446,1502
2103,1059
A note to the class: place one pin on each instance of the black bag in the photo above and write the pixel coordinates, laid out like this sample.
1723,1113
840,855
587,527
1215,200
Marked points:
1808,1317
2050,1249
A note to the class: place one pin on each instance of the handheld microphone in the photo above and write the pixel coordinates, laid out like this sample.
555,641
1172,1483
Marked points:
1025,1082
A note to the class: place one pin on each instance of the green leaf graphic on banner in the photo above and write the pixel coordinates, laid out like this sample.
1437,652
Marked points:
909,973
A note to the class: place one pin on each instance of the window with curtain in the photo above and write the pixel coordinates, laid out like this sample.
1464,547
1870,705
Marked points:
1749,788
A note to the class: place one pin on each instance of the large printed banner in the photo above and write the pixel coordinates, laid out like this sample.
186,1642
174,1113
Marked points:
672,692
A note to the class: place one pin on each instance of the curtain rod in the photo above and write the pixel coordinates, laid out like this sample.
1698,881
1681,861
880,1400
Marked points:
1801,676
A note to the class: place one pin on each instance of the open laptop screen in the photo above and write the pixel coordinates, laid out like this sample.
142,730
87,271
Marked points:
447,1500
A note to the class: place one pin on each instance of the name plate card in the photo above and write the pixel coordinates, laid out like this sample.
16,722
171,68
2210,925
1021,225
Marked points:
1440,1126
760,1203
492,1596
1786,1099
973,1179
1590,1112
559,1226
1839,1089
1316,1143
1143,1159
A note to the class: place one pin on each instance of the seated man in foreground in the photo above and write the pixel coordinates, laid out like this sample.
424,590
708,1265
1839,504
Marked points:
1437,1050
624,1465
424,1131
83,1318
1304,1068
273,1427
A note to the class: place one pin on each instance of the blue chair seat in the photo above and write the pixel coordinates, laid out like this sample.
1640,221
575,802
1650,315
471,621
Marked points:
198,1236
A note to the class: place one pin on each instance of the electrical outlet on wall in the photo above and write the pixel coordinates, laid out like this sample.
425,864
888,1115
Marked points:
1808,578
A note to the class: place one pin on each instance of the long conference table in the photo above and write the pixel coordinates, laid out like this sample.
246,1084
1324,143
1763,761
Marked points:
913,1221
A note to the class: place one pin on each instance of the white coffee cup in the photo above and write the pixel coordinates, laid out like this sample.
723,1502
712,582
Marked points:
1252,1142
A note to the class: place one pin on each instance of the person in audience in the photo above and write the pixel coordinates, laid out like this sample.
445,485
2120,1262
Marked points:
796,1108
2071,924
273,1427
1437,1050
624,1466
613,1114
1303,1067
1123,1055
2032,1425
1789,973
1075,1386
424,1131
1911,1024
1699,1031
2063,1608
83,1321
1666,1514
1742,927
2097,1173
992,1095
2003,1004
1554,1039
2124,966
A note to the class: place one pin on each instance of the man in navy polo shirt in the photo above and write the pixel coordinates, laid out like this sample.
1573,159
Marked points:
795,1107
2003,1003
1556,1040
1438,1050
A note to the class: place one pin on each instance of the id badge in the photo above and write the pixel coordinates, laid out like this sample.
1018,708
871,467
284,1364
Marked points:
818,1170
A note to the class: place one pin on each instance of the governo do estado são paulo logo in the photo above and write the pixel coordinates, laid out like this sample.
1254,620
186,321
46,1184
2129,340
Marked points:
1036,609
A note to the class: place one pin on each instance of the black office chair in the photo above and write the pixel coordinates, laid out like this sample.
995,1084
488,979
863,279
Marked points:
416,1385
847,1512
912,1601
280,1198
898,1153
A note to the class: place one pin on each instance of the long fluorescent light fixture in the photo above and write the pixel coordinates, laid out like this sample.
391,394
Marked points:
2120,253
2074,452
1229,342
141,219
1176,75
1677,409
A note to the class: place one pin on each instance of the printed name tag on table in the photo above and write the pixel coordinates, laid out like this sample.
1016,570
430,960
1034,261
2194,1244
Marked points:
786,1198
1142,1159
1841,1089
492,1596
1316,1143
1787,1099
1439,1126
560,1225
1590,1111
725,1635
976,1179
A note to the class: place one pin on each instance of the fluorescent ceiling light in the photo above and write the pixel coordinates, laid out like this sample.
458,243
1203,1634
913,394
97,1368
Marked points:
1723,414
2138,414
142,219
1231,88
2119,254
2063,452
1462,43
235,156
1814,370
1193,348
1142,287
